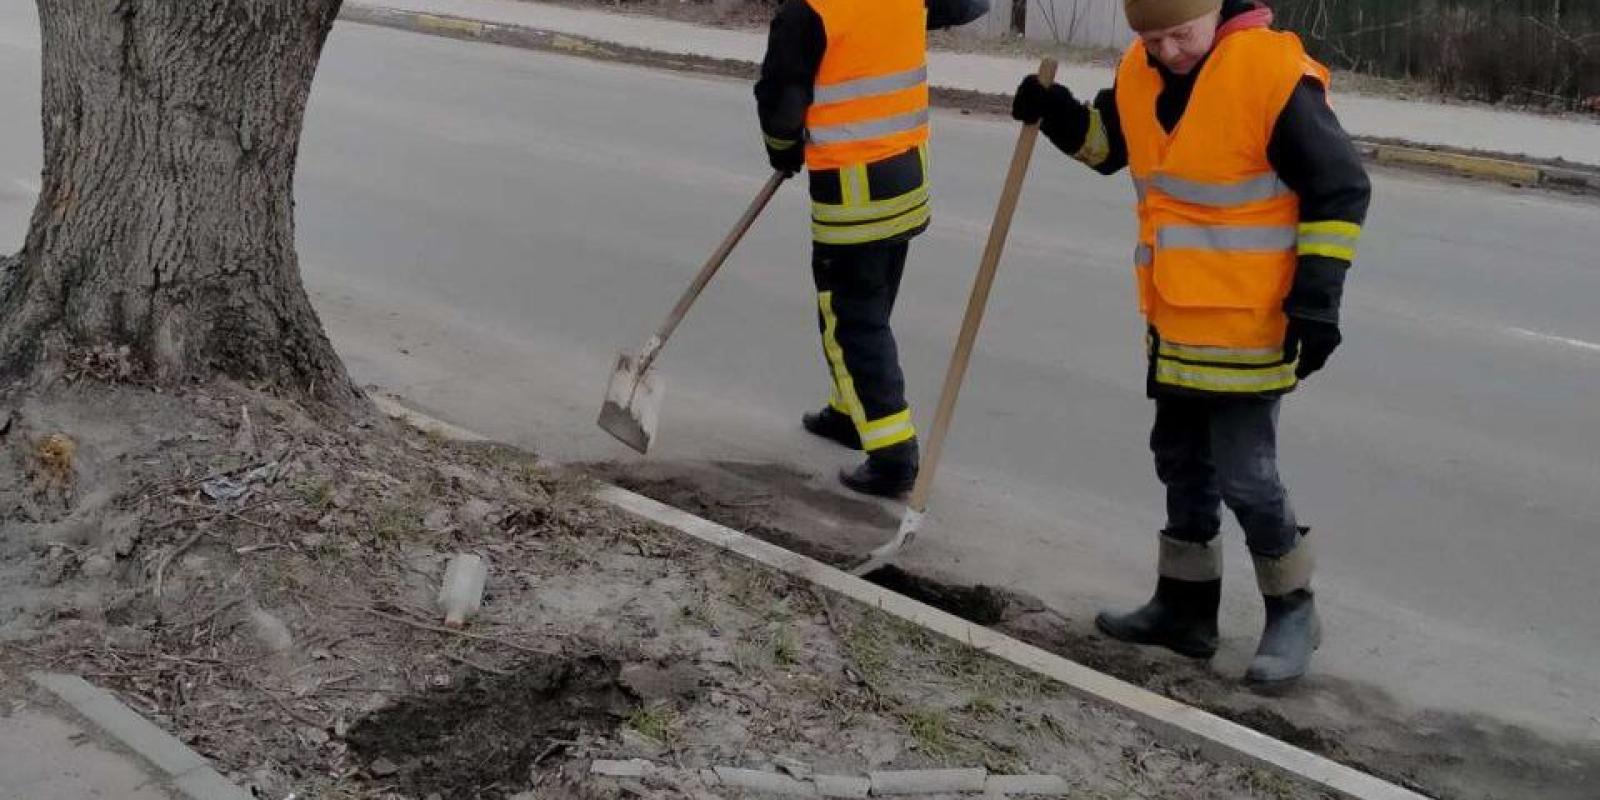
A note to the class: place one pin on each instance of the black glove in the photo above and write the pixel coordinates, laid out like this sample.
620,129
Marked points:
1313,341
786,157
1035,103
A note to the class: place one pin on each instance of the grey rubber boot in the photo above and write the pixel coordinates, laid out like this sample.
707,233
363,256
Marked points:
1293,631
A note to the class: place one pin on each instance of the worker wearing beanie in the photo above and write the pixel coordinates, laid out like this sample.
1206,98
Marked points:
1250,200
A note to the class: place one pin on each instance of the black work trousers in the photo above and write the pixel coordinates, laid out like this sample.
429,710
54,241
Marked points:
856,290
1215,450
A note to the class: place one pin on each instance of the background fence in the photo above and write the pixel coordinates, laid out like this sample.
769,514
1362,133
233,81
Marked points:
1541,52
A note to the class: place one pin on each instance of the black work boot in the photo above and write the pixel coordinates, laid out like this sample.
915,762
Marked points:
1182,616
890,472
1293,631
834,426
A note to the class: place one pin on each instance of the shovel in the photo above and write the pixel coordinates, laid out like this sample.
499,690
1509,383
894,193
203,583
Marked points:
633,396
917,507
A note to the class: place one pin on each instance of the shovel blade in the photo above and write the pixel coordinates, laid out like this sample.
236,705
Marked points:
910,525
632,405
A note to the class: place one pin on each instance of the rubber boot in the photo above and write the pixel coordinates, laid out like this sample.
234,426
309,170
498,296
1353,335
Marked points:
833,426
890,472
1293,631
1182,616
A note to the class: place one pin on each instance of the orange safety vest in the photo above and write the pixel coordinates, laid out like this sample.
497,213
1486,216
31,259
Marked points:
1218,230
869,109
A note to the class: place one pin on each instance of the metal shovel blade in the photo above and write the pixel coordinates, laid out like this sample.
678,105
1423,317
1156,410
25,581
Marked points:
633,404
883,556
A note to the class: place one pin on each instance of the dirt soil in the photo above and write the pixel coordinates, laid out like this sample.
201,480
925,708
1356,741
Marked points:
1448,756
262,583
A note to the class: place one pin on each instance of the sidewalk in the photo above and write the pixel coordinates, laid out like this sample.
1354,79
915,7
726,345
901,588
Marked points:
98,748
44,756
1425,123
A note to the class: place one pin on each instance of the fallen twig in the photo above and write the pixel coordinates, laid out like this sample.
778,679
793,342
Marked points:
285,707
462,634
166,560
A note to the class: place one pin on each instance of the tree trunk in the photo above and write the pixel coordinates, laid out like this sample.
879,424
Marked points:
165,221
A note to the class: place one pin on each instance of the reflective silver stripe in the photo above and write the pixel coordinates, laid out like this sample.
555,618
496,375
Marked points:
1144,255
868,87
1221,195
858,131
1200,237
1141,187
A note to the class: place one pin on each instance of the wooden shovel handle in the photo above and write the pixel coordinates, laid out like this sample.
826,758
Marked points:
978,302
709,271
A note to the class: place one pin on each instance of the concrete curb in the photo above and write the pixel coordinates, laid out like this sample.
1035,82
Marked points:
181,766
1172,721
1494,168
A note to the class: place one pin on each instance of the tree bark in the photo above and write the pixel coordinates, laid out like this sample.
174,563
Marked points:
165,221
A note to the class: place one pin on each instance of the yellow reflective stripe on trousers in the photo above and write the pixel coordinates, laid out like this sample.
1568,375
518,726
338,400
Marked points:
853,188
870,210
873,232
844,387
1332,239
1224,379
1258,356
887,432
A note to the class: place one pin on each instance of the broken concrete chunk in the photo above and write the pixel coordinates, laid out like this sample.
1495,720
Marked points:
929,781
1025,785
632,768
768,782
793,767
843,786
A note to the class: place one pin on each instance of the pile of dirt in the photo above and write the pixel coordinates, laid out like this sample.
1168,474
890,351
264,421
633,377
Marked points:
262,583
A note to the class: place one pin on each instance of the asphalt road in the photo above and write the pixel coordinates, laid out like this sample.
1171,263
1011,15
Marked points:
484,228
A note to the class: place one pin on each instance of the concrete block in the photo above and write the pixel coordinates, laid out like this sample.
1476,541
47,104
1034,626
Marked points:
632,768
769,782
929,781
1006,785
843,786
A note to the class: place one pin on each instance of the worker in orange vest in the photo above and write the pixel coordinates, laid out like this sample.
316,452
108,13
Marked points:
1251,199
844,94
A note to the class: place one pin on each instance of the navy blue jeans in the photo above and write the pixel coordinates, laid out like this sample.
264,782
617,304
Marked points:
1211,451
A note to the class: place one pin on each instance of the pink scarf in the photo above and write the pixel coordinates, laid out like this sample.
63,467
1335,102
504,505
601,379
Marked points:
1260,17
